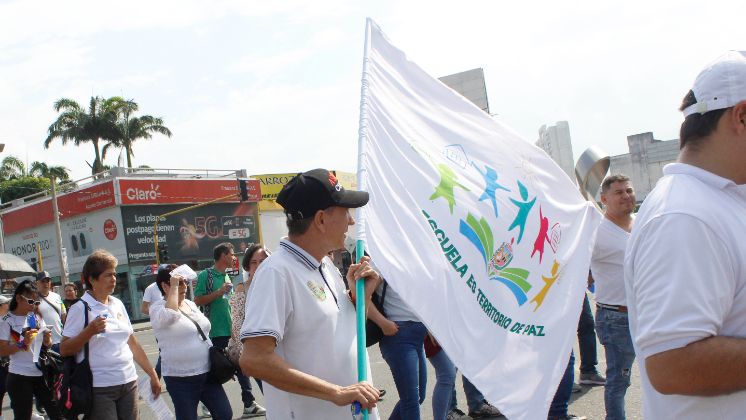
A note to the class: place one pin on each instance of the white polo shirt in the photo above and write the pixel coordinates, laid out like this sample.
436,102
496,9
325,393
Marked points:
51,310
607,263
152,293
685,275
110,357
303,304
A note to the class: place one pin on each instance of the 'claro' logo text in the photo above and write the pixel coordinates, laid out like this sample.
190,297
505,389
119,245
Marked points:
137,194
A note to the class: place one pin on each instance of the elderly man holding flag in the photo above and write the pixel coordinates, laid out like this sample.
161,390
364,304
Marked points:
299,335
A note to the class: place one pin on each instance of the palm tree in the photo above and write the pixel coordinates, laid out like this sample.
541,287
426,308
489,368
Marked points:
132,128
12,168
76,125
42,170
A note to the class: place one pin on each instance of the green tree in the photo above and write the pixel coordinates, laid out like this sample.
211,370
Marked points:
131,128
41,169
75,124
23,186
11,168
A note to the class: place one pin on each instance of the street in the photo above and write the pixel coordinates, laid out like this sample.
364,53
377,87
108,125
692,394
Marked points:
589,402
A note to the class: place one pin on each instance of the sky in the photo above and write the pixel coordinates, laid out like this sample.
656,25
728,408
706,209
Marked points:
274,87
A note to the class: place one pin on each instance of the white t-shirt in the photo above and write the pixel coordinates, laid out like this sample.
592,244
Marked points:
303,304
394,306
183,352
49,310
110,357
11,330
685,275
152,293
607,263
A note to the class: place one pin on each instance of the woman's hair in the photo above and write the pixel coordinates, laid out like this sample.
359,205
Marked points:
25,287
250,251
73,285
97,263
164,275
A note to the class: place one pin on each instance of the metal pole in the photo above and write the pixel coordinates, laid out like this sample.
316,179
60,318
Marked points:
58,230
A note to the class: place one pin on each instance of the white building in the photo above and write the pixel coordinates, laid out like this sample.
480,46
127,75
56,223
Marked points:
555,140
645,161
471,85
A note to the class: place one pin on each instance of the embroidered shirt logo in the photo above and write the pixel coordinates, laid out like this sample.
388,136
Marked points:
317,290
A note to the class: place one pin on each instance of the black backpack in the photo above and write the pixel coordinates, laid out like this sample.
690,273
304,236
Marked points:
74,386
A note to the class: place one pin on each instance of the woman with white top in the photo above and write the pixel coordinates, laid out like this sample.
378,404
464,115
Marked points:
184,354
19,330
113,348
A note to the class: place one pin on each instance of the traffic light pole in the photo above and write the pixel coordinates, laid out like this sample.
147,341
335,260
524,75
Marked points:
171,213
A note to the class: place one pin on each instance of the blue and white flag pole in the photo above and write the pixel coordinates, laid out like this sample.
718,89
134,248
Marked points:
362,361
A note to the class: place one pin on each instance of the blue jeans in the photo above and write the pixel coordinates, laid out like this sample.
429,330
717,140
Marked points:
246,396
474,398
445,381
613,332
587,339
405,354
187,391
558,407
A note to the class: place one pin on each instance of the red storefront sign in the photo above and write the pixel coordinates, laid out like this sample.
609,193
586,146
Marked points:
173,191
95,197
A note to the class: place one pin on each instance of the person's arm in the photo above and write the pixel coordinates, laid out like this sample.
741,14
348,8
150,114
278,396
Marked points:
387,326
705,368
679,298
70,346
7,349
172,298
142,360
259,360
144,307
363,270
201,297
209,298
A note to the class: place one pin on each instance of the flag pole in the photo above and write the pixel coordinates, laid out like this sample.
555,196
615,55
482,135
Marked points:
362,361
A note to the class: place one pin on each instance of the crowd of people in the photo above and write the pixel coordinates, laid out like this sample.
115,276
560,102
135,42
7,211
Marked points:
670,289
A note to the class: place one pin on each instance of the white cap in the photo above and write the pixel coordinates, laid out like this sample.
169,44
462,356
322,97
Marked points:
721,85
4,299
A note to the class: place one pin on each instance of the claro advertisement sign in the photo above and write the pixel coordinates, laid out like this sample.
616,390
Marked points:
190,235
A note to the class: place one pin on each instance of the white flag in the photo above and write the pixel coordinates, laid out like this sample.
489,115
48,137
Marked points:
479,231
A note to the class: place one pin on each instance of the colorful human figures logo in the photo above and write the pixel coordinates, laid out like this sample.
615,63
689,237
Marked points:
480,234
446,186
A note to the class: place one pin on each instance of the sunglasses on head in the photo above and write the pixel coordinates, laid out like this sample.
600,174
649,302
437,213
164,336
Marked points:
32,301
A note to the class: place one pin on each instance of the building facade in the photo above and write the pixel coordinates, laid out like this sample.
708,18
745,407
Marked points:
645,161
118,212
555,140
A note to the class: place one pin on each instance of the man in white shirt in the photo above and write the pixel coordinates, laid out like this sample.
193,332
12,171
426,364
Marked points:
299,334
685,265
51,308
607,268
150,295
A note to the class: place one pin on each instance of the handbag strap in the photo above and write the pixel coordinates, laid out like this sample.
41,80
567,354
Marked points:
58,310
199,329
86,308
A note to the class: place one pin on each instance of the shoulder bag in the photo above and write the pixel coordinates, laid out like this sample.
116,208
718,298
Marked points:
73,389
374,333
221,368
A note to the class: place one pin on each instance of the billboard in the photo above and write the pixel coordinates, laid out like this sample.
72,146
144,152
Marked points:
86,200
160,191
190,235
81,235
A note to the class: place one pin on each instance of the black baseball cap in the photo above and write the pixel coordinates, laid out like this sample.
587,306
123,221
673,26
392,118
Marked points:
41,275
316,190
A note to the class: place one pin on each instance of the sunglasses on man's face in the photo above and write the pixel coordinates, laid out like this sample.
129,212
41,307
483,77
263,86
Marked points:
32,301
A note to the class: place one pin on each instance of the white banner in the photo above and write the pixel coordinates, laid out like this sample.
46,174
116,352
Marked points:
479,231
